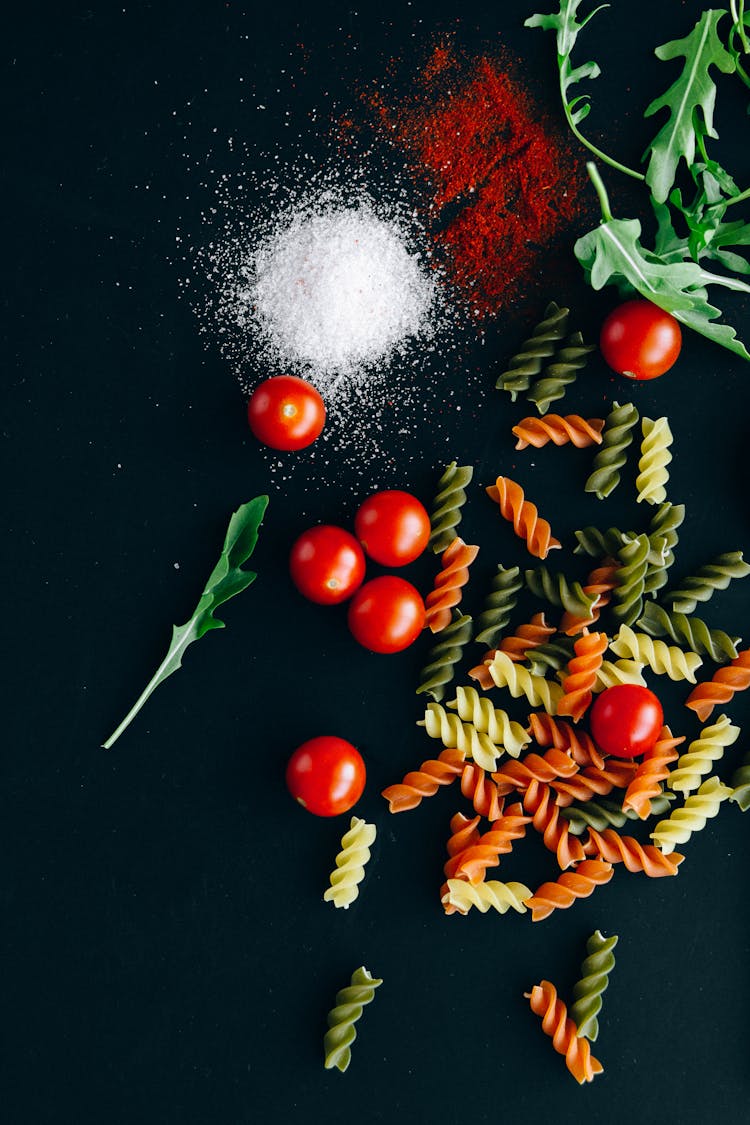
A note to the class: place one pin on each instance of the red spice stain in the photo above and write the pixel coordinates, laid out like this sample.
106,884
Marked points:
503,182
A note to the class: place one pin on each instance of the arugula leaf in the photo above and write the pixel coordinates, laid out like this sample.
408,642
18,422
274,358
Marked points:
692,93
226,579
613,254
565,24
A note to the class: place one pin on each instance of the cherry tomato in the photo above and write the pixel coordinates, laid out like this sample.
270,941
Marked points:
327,564
393,527
286,412
386,614
640,340
626,720
326,775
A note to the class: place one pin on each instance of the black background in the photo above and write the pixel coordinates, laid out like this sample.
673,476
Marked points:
167,956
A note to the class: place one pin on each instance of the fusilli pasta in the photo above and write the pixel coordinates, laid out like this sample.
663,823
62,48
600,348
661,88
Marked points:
653,768
587,991
444,656
702,754
527,523
425,781
612,453
529,359
350,863
741,784
691,631
655,456
449,583
721,687
451,731
560,373
481,790
701,586
539,800
563,1031
489,895
569,886
496,724
560,430
518,681
499,605
557,590
341,1019
692,816
613,848
580,676
660,657
447,506
486,851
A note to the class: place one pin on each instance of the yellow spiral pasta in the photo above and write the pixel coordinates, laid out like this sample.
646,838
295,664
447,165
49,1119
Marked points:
660,657
519,681
478,710
702,754
655,456
698,808
615,672
350,863
490,895
446,726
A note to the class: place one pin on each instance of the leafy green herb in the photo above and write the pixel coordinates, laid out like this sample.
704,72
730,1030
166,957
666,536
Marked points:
690,101
739,46
565,24
613,254
226,579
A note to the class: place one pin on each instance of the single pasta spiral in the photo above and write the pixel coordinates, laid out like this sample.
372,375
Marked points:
655,456
447,506
559,429
443,657
557,590
741,784
425,781
486,851
698,808
615,672
587,991
663,529
478,710
451,731
481,790
614,774
660,657
550,657
350,863
499,605
701,586
612,454
608,814
563,1031
595,543
527,523
341,1032
449,583
568,887
563,370
489,895
547,731
534,767
543,342
464,833
652,769
539,800
580,676
721,687
691,631
516,645
702,754
518,681
628,593
613,848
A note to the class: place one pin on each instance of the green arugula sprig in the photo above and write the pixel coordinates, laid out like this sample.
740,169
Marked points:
226,579
670,275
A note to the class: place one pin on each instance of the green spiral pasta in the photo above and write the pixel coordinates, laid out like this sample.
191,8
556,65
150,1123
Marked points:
444,656
627,596
663,529
612,453
660,657
692,816
603,814
741,784
341,1019
499,605
559,374
446,511
587,992
596,543
550,656
691,631
715,575
702,754
490,720
557,590
655,456
543,342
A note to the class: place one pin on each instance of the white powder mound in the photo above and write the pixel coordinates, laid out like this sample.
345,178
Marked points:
333,290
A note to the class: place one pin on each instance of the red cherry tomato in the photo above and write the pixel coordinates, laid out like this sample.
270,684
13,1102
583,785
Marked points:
386,614
326,775
393,527
626,720
327,564
286,412
640,340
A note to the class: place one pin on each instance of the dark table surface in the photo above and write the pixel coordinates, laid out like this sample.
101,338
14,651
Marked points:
166,953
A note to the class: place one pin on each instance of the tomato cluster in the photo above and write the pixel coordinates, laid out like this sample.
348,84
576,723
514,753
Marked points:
327,565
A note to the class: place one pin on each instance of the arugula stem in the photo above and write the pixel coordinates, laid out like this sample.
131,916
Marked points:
153,683
738,198
739,23
592,147
601,191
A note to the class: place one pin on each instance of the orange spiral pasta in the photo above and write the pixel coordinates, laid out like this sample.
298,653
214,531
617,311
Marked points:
613,848
454,574
486,852
527,523
533,767
721,687
464,834
561,429
580,675
547,731
569,886
526,637
481,790
539,800
650,772
614,774
601,582
562,1030
425,781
